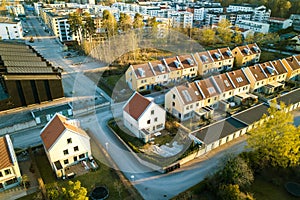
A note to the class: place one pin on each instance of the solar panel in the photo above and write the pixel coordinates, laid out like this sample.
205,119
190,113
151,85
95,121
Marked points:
226,83
24,64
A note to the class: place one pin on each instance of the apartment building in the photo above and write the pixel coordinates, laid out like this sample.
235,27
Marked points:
214,18
246,55
213,61
10,175
10,29
260,13
200,12
277,24
182,19
256,26
147,76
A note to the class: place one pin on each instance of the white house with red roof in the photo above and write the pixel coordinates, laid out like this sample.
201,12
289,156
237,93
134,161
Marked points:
10,175
143,117
65,143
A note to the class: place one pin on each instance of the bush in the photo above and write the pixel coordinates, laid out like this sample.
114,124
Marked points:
157,88
145,92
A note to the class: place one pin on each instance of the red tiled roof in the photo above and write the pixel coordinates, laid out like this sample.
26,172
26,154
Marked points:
136,105
5,160
55,128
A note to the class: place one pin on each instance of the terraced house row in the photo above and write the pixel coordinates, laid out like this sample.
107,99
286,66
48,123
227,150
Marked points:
173,70
222,91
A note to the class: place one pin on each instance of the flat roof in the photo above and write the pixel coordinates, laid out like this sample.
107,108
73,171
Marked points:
31,77
290,98
219,130
50,110
252,115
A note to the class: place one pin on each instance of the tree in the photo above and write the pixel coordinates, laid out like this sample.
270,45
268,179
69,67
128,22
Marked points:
207,36
249,38
75,22
237,171
125,22
109,23
74,191
237,36
138,21
224,31
89,25
277,139
25,180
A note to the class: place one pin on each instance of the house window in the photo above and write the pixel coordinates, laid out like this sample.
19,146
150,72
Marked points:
1,175
66,152
75,158
66,161
208,100
148,122
159,126
7,171
174,96
155,119
76,148
173,103
152,112
81,156
69,140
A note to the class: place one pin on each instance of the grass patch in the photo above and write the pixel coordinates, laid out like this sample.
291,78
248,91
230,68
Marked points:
32,196
44,167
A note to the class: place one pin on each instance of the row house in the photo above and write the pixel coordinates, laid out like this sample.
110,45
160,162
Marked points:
214,61
293,66
146,76
10,175
142,117
246,55
267,77
199,98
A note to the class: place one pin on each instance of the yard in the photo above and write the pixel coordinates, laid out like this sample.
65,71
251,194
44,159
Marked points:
104,175
267,56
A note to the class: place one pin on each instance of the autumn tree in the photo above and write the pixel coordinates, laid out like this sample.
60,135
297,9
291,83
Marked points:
88,25
138,21
237,36
125,22
74,191
75,21
277,139
207,36
109,23
224,31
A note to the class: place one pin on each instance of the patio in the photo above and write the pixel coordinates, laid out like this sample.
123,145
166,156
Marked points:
80,168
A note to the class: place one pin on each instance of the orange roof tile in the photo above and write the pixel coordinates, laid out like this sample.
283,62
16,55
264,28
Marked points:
55,128
4,154
136,105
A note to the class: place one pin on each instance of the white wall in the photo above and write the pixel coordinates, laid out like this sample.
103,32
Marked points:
11,30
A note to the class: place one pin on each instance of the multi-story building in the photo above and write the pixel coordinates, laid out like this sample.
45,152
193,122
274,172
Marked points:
267,77
10,29
296,21
10,175
246,55
200,12
146,76
277,24
65,143
292,64
182,19
260,13
232,17
256,26
214,61
145,119
199,98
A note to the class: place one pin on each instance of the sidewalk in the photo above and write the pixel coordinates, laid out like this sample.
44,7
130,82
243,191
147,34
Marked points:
14,193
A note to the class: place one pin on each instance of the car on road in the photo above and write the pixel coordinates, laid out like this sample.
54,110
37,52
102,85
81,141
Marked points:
31,40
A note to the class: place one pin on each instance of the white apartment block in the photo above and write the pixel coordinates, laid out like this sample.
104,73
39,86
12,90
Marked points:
182,20
10,29
258,27
201,12
277,24
260,13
